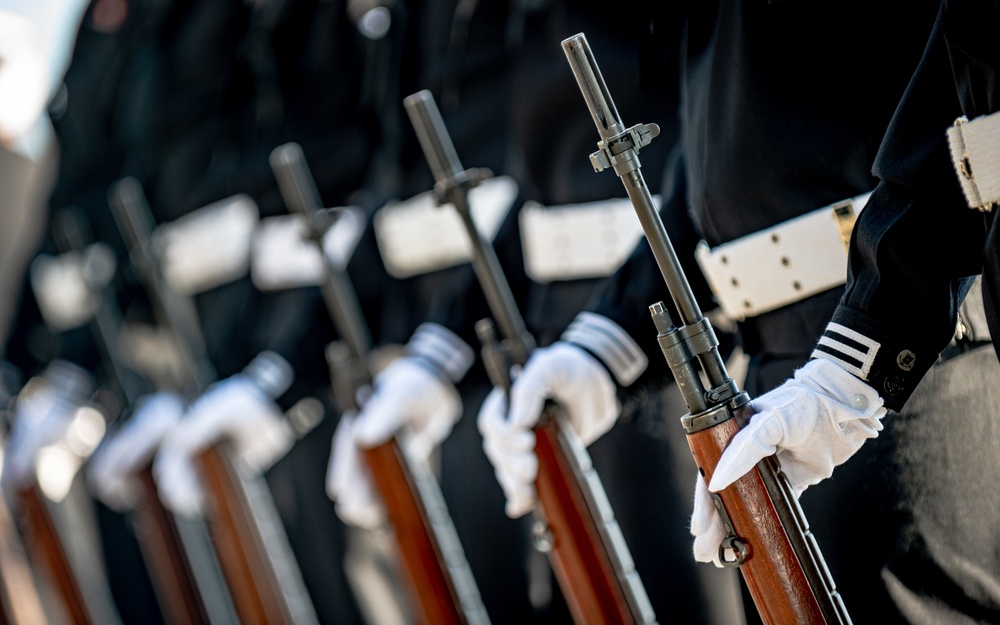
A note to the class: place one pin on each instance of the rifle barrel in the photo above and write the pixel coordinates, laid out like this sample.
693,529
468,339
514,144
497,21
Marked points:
777,555
586,550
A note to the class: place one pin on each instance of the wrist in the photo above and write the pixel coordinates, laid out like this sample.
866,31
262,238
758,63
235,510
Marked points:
610,344
270,373
442,349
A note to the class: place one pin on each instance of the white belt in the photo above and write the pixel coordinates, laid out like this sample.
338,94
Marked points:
976,158
418,236
576,241
208,247
783,264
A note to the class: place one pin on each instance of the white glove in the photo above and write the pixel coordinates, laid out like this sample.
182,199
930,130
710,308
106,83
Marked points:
236,410
408,394
408,400
112,469
510,449
349,482
814,422
570,376
43,412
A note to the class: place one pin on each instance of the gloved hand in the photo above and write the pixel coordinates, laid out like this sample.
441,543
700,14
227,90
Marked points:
236,409
408,395
570,376
349,482
43,412
408,400
113,467
413,398
814,422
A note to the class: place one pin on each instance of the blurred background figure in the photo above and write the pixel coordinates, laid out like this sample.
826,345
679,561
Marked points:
35,46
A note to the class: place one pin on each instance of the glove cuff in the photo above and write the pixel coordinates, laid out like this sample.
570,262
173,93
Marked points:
442,348
609,342
70,380
270,373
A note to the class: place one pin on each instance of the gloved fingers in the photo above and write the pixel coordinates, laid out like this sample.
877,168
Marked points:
528,395
505,437
757,440
520,497
348,481
518,466
344,458
379,420
271,443
591,420
706,525
178,483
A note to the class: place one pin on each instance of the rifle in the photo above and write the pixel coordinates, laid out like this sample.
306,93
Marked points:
252,549
20,602
775,550
82,598
574,521
439,579
159,537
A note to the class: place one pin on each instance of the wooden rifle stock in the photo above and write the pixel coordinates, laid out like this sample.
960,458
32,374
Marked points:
44,538
583,567
159,540
261,575
777,555
239,545
574,522
165,556
430,582
20,602
440,584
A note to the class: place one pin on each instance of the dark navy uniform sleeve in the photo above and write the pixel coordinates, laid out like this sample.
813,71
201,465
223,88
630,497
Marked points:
917,246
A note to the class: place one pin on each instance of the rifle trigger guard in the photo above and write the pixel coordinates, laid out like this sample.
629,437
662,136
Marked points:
730,542
736,544
541,536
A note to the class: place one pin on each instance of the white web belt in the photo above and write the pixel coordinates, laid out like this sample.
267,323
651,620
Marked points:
975,153
783,264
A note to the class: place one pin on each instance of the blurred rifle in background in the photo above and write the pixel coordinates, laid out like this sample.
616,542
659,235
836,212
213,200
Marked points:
441,585
261,574
574,522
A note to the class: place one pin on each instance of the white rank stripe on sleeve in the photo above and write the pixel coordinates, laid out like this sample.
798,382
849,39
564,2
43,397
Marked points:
418,236
853,351
608,341
282,256
208,247
577,241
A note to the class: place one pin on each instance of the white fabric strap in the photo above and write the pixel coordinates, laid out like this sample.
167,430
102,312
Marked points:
609,342
576,241
853,351
783,264
975,153
443,348
418,236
